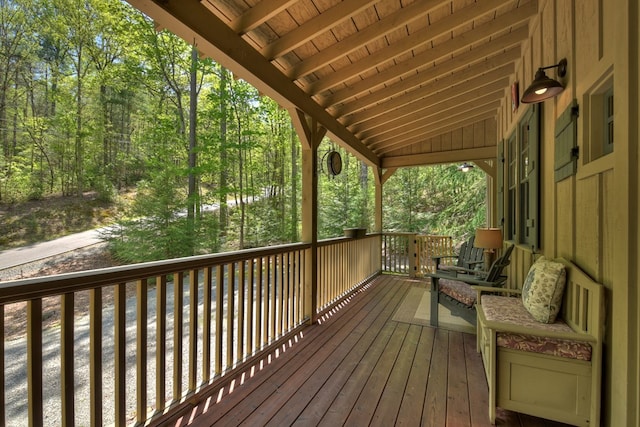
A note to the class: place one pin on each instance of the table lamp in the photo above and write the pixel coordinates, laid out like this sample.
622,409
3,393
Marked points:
489,239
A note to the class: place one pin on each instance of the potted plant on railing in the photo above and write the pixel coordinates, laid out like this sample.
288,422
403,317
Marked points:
356,232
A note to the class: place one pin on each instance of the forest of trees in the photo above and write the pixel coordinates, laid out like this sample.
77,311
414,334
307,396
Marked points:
94,98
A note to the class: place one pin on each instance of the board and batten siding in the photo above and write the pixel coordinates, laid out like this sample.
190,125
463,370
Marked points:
590,217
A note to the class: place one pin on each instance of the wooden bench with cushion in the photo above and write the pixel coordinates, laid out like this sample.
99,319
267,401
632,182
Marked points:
542,350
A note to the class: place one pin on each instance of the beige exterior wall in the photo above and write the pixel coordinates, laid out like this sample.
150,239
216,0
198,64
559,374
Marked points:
592,217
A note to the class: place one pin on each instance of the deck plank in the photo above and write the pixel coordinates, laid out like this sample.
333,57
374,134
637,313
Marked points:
414,395
365,406
393,391
358,366
261,387
435,404
457,386
477,384
312,400
295,393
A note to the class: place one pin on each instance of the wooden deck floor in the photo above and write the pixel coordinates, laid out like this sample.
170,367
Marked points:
359,367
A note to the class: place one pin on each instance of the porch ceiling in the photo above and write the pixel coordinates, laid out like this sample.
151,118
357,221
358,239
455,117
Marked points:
397,82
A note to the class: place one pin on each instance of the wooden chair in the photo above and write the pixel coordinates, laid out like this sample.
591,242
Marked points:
469,257
455,291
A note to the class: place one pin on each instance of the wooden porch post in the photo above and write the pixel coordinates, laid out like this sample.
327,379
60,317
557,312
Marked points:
377,172
311,134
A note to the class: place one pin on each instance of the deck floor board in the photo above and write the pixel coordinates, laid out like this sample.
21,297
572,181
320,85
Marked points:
358,367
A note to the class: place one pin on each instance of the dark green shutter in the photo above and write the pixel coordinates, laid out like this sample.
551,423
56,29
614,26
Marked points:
566,152
500,168
533,220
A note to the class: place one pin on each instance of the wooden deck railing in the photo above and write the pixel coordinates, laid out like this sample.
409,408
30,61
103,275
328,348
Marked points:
409,253
130,344
343,264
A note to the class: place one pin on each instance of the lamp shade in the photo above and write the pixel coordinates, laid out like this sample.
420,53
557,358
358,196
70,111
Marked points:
488,238
544,87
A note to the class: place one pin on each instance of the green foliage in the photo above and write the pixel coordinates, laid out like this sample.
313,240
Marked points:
99,101
438,200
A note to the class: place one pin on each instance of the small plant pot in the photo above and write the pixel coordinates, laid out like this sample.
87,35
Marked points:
355,232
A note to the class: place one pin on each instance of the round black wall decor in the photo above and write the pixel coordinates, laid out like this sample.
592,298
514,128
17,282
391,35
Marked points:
334,163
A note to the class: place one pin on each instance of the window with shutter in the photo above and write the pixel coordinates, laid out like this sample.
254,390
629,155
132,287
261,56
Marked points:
521,199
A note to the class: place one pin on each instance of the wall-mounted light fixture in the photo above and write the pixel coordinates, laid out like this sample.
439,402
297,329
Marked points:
544,87
465,167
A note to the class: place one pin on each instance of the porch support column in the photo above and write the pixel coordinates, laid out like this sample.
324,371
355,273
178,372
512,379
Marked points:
311,134
377,226
381,178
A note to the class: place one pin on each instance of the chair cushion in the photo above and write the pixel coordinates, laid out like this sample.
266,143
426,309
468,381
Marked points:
459,291
543,288
510,310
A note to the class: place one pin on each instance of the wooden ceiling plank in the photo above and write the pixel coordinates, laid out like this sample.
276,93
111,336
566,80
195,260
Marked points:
428,95
417,121
494,91
192,21
258,15
445,25
474,108
315,26
406,44
416,10
515,38
442,157
453,128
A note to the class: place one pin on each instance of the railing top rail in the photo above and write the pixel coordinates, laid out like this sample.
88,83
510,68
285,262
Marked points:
334,240
40,287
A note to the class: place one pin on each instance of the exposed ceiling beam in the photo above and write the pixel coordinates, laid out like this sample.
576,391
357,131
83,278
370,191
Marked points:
480,96
471,154
493,47
470,109
318,25
433,94
360,38
259,14
464,40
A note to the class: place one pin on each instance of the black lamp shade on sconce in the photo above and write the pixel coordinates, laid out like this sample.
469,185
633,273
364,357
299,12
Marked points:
465,167
544,87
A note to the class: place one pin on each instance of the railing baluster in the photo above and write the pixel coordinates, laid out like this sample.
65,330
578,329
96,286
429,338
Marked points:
272,290
219,318
261,295
120,368
161,341
3,412
251,305
278,283
141,351
231,283
178,320
34,361
193,329
95,356
206,325
241,302
66,359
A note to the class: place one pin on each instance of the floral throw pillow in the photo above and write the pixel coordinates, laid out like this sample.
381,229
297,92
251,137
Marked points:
543,288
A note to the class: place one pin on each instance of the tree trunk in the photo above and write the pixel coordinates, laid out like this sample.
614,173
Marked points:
192,197
224,174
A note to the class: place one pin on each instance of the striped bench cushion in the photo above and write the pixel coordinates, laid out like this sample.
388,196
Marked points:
510,310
